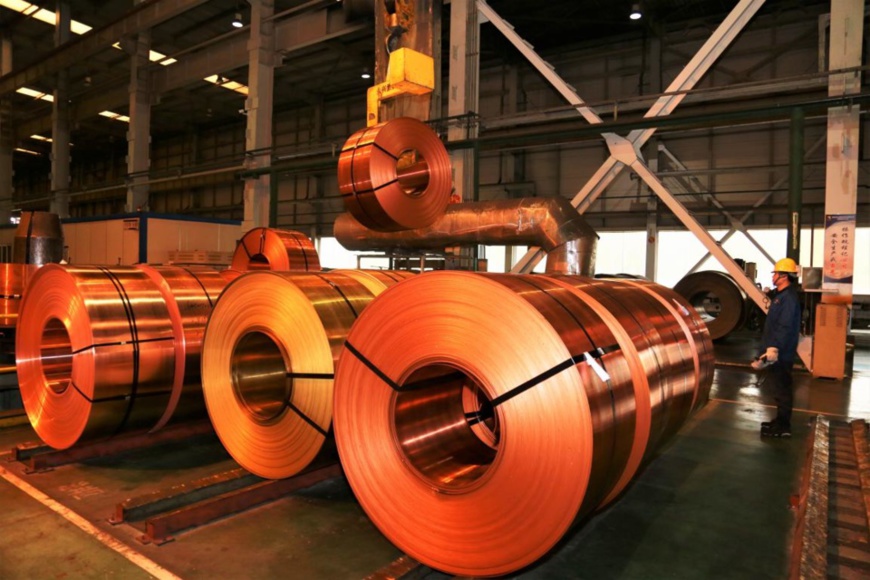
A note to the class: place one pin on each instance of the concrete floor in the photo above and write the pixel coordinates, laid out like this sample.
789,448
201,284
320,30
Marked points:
714,504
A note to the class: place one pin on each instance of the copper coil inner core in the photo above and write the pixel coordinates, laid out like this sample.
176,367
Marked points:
450,446
259,375
56,356
412,171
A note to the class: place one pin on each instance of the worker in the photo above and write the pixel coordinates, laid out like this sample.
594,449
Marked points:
779,341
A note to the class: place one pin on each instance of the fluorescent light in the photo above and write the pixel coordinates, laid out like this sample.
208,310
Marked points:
28,151
48,17
36,94
41,14
227,84
115,116
41,138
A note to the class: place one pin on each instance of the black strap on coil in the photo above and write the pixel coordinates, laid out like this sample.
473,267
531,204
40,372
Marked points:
134,334
115,397
201,285
120,343
341,293
302,248
305,417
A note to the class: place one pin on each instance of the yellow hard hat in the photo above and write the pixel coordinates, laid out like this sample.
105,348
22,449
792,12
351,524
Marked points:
786,265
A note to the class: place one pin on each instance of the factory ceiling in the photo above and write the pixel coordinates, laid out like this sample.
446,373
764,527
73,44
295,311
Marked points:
310,72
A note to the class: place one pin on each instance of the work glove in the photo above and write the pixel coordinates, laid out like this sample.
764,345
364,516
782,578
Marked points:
772,354
760,363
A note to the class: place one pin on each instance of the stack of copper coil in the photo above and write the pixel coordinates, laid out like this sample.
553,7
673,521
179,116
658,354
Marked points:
268,362
478,417
106,350
271,249
395,175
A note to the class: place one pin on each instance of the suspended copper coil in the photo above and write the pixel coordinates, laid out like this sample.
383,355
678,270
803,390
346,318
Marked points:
464,402
395,175
13,281
190,294
95,351
268,362
718,299
271,249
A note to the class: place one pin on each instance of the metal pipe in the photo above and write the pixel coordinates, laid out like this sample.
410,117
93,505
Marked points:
795,184
549,222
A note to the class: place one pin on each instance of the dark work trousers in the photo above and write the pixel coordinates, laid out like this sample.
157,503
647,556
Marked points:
779,375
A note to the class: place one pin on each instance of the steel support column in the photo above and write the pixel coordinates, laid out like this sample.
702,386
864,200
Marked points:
841,174
795,184
60,133
6,137
258,107
139,132
720,40
463,92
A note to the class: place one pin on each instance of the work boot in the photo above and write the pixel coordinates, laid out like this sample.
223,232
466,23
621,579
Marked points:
776,430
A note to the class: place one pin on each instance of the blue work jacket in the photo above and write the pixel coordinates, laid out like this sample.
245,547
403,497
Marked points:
783,324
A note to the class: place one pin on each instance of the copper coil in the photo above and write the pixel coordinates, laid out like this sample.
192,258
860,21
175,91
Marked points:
268,362
271,249
229,275
718,299
376,281
465,402
95,351
696,332
190,294
668,378
13,281
395,175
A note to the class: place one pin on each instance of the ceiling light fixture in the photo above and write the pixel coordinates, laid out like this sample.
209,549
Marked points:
366,74
636,14
237,20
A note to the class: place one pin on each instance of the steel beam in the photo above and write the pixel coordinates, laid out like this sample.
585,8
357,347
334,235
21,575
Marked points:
139,131
795,184
60,125
736,224
6,137
142,17
761,201
463,95
546,69
258,108
629,155
665,105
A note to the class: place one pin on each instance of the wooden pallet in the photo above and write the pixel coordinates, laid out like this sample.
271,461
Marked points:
832,533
